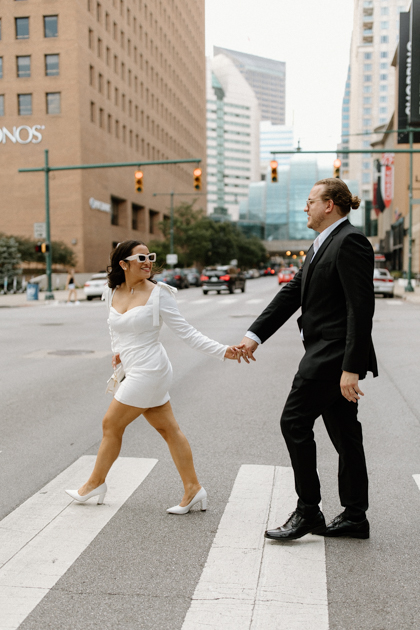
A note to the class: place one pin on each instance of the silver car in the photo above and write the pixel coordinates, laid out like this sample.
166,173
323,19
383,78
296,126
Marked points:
383,282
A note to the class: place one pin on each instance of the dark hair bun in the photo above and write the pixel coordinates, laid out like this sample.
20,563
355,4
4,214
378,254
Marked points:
355,202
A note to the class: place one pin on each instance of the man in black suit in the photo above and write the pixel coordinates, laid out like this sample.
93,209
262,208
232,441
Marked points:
334,289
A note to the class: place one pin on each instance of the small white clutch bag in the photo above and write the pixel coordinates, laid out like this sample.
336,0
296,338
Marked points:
114,381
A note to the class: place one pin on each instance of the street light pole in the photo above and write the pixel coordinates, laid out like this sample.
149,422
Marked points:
171,232
49,295
409,288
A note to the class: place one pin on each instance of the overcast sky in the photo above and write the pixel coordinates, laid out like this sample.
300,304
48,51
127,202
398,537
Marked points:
312,37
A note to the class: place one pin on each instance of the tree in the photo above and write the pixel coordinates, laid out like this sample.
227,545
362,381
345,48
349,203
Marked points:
62,254
10,258
199,240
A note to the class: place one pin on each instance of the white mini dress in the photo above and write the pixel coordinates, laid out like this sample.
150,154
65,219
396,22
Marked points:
135,337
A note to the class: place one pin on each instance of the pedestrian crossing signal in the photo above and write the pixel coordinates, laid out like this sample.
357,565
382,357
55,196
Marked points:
42,248
273,165
337,165
138,176
197,178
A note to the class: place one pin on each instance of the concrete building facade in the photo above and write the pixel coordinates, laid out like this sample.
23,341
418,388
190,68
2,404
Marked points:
99,82
370,86
233,118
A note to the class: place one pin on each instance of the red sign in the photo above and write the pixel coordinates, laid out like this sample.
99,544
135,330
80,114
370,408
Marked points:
387,179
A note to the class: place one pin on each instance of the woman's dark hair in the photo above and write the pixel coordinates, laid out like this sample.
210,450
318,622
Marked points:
115,272
338,191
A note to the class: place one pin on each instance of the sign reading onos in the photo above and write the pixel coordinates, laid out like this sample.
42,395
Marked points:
22,134
387,179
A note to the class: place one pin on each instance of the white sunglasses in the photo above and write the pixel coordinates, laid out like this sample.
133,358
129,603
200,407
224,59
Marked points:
141,258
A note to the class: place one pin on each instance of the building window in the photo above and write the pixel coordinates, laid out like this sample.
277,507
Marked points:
108,56
109,123
367,100
367,111
383,99
92,112
100,83
366,165
383,88
367,78
367,122
117,209
117,128
52,67
383,77
107,21
24,104
366,144
108,89
90,39
384,39
99,47
365,178
384,55
367,67
53,103
23,67
50,25
367,89
137,213
124,133
101,118
98,12
1,104
1,67
383,110
22,28
384,11
91,75
367,55
384,25
383,66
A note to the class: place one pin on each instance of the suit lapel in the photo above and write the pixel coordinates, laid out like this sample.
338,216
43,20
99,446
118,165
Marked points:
309,266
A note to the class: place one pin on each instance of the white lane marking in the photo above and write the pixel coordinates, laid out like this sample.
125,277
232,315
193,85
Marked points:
254,584
44,536
227,300
394,302
205,301
254,301
417,480
47,354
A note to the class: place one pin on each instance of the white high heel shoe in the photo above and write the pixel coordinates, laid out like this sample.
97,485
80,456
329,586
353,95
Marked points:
200,497
99,492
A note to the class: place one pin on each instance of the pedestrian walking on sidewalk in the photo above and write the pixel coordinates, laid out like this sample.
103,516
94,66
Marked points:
137,308
71,286
334,289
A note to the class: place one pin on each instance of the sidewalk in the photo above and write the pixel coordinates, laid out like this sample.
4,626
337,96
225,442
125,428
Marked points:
19,299
399,292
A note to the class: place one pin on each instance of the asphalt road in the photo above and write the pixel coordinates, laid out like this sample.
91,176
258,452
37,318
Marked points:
141,570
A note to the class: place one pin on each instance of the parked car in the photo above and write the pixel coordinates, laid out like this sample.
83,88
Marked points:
222,279
383,282
174,277
193,276
95,286
251,273
285,275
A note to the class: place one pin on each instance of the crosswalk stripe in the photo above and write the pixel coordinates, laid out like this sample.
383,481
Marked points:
251,583
255,301
43,537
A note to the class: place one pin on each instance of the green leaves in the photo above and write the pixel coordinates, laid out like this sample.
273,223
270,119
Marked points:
200,241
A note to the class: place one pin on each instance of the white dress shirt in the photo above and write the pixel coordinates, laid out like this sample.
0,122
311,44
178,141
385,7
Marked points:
317,244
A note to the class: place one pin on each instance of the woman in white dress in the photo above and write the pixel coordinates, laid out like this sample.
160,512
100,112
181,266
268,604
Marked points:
137,308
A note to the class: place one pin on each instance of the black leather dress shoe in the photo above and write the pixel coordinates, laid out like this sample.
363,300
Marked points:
297,526
342,526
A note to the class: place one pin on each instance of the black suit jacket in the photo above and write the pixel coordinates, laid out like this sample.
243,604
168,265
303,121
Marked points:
336,295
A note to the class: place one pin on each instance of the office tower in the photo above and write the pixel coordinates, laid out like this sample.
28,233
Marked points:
272,138
370,86
99,82
233,118
267,77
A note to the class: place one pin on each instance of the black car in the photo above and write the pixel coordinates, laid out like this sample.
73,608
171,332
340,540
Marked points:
225,278
174,277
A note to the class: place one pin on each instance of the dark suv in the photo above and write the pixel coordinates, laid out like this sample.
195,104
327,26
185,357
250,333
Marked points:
222,278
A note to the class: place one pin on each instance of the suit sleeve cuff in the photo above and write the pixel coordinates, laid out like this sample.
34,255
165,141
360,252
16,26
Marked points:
253,336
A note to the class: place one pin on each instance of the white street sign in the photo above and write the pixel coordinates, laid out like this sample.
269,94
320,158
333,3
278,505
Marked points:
171,259
39,230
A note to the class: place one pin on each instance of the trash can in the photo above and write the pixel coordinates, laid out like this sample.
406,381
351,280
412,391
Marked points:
32,291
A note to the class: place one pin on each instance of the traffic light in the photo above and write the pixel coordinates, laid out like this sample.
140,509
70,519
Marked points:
273,165
138,176
45,248
38,248
337,164
197,178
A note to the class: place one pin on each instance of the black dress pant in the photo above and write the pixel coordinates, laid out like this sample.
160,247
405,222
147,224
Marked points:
307,400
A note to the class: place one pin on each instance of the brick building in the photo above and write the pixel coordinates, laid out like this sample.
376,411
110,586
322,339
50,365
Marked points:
96,82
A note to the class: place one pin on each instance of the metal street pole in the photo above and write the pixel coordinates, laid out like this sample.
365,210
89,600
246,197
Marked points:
409,288
171,232
49,295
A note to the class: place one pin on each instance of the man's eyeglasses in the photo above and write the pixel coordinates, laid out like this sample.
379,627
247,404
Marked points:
309,202
141,258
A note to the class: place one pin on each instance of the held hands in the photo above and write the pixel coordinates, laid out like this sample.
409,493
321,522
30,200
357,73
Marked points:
234,353
115,360
247,348
349,385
